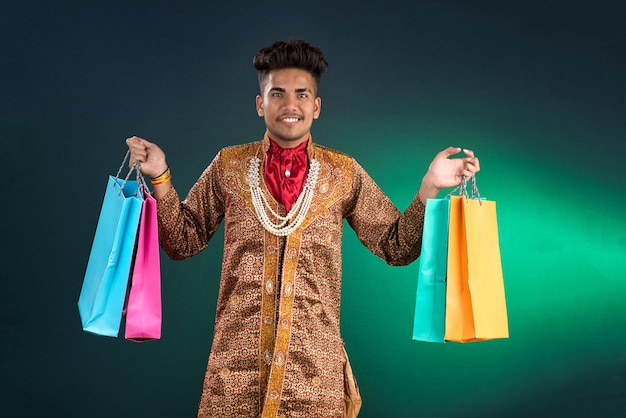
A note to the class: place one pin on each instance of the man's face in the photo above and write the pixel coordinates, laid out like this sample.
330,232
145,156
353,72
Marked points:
289,103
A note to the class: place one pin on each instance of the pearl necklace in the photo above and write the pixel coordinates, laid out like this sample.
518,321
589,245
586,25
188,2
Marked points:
286,224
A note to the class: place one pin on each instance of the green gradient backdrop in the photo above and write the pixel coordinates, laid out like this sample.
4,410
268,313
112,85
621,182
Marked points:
536,89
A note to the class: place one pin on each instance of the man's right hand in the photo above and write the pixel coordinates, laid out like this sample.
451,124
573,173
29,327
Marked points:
151,157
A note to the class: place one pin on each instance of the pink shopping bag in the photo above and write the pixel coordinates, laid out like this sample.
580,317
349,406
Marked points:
143,309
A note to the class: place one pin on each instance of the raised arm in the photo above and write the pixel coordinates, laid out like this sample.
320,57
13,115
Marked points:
186,227
394,236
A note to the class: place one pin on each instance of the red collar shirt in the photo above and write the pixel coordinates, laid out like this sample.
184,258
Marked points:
285,172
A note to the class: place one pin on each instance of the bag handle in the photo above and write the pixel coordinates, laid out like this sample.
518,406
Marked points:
461,189
141,181
475,192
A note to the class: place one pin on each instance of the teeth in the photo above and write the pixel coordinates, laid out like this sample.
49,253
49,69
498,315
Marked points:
290,120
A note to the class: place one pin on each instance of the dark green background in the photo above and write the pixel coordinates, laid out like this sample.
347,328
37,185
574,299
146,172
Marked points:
536,88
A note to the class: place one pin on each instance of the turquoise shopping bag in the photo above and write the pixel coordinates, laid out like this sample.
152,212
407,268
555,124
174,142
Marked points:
105,283
430,301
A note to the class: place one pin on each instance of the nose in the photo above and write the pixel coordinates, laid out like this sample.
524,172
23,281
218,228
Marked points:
290,101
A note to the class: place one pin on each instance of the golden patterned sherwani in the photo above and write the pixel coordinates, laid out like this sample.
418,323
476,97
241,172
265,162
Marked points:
277,349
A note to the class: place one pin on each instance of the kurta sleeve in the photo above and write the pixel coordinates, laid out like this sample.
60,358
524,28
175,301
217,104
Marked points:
391,235
186,227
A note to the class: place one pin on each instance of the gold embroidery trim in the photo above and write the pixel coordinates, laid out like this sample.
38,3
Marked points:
268,311
283,332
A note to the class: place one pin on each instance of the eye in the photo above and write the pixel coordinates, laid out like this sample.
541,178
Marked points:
303,95
276,94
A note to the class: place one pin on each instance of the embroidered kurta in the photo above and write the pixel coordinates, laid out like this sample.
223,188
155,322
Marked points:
277,349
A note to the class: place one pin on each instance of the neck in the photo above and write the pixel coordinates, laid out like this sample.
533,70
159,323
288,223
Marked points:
287,144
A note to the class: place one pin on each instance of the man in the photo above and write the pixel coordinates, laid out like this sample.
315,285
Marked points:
277,349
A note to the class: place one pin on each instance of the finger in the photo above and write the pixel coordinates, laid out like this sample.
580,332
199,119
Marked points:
137,141
132,141
137,154
471,159
469,153
476,164
470,170
449,152
136,146
472,164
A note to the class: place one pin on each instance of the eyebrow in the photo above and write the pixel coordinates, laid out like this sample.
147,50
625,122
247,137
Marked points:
282,90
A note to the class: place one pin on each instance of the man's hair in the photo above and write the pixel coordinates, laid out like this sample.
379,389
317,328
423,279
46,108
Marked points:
293,53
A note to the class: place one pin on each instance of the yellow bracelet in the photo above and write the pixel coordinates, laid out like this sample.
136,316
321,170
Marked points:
166,176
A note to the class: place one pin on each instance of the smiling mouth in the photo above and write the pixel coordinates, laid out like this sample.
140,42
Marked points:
290,119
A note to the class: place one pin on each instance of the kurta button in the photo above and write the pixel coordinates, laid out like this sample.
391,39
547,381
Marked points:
225,372
274,395
280,359
288,289
316,381
317,308
269,287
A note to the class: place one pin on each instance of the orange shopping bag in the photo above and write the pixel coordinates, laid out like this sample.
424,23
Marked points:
475,300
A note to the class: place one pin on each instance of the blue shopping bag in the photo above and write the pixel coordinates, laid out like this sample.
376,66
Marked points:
105,284
430,301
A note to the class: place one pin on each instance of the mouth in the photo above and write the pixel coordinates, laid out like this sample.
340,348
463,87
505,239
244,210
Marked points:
289,119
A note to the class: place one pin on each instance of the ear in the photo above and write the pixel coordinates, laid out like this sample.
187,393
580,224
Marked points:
259,106
318,107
